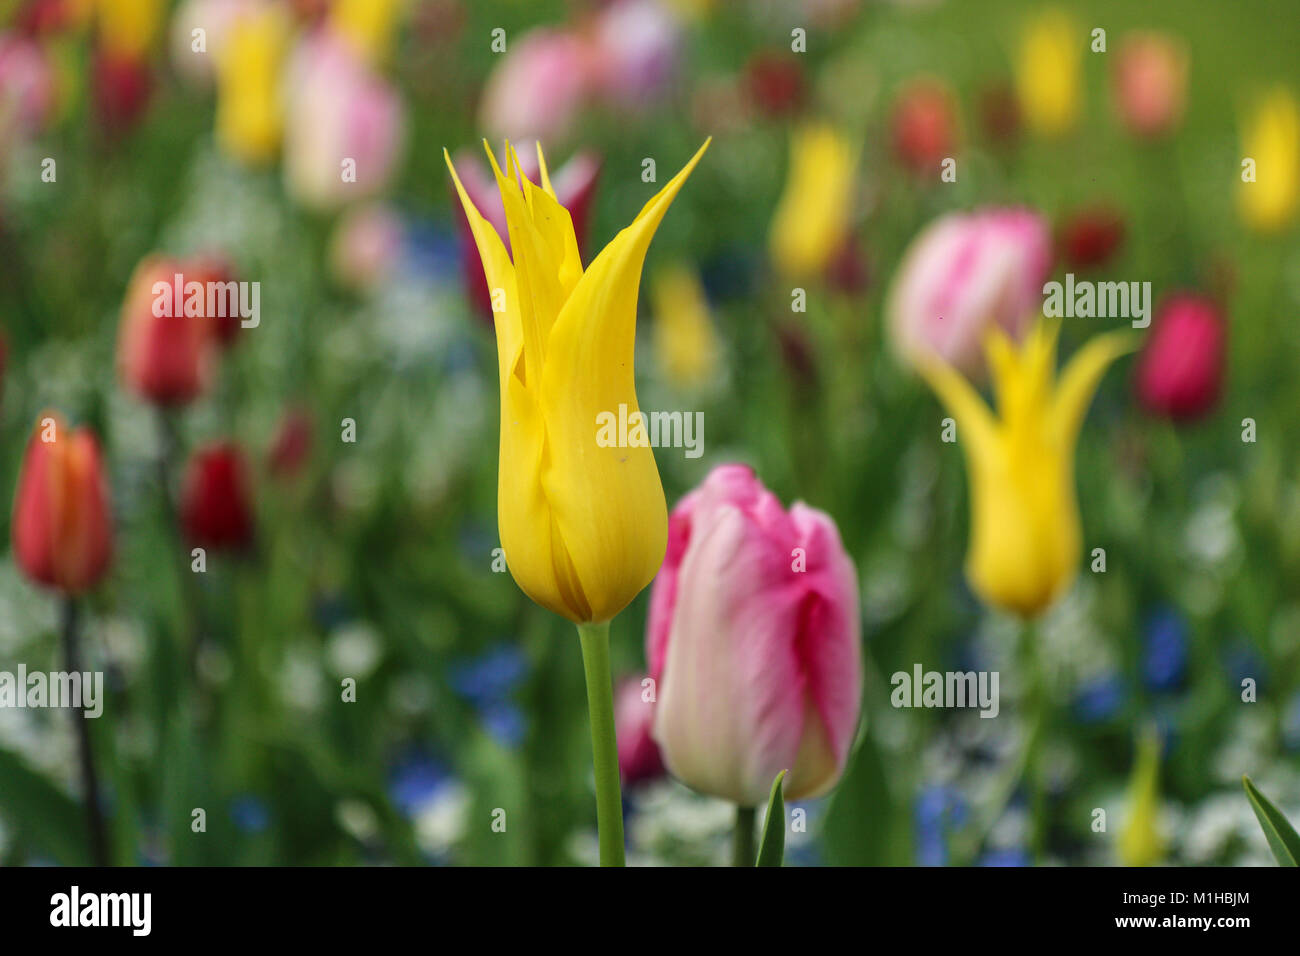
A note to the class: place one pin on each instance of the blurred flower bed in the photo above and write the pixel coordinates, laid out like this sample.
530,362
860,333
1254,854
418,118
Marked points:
875,166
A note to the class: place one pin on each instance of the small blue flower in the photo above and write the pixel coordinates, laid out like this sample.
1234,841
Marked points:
250,813
414,780
1164,658
505,722
939,810
489,678
1007,856
1099,699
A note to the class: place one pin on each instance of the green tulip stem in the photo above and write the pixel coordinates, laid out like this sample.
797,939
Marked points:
742,844
96,829
1036,710
604,746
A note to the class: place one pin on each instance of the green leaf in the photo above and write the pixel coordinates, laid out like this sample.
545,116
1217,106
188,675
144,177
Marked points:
42,815
772,849
1282,838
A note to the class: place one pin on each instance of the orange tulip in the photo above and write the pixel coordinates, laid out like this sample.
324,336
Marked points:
62,526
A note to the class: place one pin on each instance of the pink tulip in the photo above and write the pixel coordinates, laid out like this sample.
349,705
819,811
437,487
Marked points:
753,643
964,273
344,125
366,247
1150,83
639,760
536,90
27,87
634,58
1180,371
574,184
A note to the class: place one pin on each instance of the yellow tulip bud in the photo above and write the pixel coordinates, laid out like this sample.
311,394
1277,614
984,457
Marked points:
1025,537
685,344
1271,141
1047,72
583,523
250,111
1141,842
812,216
127,28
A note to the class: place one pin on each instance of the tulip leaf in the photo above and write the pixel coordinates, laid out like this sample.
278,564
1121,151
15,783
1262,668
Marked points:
1282,838
47,819
772,849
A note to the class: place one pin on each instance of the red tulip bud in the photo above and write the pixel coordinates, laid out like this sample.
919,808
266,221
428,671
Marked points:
925,126
62,527
1180,370
216,509
1091,236
164,349
292,444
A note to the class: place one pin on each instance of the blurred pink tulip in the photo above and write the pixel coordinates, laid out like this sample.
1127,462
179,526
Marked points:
27,87
753,641
639,760
215,17
1180,371
344,126
964,273
574,184
366,246
1150,83
634,57
538,87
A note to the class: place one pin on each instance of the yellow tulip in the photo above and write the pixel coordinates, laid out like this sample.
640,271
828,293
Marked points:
1047,72
584,527
367,25
684,341
1271,138
1141,842
127,28
250,111
812,216
1025,537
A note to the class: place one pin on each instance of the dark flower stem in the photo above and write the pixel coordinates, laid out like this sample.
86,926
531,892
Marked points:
168,446
89,778
742,843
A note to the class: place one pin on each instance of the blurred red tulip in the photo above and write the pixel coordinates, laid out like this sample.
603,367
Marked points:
847,271
163,354
924,126
574,184
291,447
775,83
1090,236
1150,83
122,88
62,526
1180,371
216,506
215,267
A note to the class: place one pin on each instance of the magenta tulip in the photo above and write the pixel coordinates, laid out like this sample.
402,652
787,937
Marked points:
639,760
964,273
539,86
1180,370
753,641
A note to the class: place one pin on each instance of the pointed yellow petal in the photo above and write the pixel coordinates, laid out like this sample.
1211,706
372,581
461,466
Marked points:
1080,379
616,537
500,274
975,422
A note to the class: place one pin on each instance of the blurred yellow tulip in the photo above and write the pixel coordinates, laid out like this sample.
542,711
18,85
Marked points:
583,523
1025,537
368,25
1271,140
250,108
127,28
813,215
1047,72
685,344
1141,841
